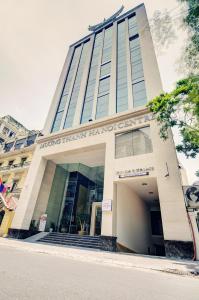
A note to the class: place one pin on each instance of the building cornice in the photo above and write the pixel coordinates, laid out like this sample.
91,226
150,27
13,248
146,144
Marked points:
18,152
94,124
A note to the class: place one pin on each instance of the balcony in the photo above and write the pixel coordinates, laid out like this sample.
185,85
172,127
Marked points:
15,166
16,192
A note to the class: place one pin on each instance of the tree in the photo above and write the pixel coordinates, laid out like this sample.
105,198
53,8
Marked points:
191,22
180,109
164,26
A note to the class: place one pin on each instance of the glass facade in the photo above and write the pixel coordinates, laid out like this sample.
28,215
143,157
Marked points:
75,188
90,90
66,90
121,85
134,142
137,73
97,97
105,69
75,92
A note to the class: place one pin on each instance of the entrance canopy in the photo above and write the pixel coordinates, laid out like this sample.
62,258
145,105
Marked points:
89,156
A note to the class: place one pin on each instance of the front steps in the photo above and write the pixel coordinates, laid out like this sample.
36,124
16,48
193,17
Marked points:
66,239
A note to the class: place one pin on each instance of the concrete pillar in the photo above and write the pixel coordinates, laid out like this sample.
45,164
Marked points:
107,216
29,194
174,217
45,189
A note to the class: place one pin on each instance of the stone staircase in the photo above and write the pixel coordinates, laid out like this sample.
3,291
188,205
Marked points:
76,240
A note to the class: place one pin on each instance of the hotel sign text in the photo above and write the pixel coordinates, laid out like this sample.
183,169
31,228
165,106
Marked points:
98,131
134,172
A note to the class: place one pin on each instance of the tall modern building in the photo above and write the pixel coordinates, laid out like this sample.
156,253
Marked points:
101,168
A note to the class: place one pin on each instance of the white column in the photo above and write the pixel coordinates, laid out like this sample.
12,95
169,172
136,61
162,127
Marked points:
107,227
171,197
29,194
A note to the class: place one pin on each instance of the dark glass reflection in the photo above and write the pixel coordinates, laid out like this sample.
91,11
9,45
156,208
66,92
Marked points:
81,191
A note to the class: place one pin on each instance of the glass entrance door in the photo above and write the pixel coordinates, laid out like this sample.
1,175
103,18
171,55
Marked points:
96,218
84,186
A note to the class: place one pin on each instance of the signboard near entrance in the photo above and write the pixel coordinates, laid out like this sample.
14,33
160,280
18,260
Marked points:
107,205
42,222
192,195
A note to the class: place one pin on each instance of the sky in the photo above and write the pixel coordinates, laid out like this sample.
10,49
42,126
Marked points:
35,37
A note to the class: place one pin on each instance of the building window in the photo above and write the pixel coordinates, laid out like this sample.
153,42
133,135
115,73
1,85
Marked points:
132,26
121,87
23,160
15,184
137,72
8,147
105,70
66,89
5,130
90,90
134,142
107,47
30,140
76,88
10,163
11,134
104,85
139,93
103,98
19,144
102,106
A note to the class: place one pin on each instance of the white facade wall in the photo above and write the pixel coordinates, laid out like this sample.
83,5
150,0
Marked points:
175,223
133,223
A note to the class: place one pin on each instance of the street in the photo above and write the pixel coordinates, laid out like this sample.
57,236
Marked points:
37,275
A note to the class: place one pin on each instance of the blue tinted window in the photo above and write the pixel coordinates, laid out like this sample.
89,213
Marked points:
102,106
90,90
139,94
65,92
122,91
137,72
105,70
74,96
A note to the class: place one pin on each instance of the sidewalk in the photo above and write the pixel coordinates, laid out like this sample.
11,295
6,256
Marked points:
180,267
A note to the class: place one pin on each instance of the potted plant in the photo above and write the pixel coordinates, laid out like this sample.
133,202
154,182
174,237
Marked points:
82,230
52,227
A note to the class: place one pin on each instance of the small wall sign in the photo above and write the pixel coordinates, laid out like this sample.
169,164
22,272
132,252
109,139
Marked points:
42,222
191,194
107,205
134,174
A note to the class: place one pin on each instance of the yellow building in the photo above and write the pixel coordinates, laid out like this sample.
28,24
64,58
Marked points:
16,151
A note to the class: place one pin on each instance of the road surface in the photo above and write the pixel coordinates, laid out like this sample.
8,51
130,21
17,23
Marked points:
26,275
